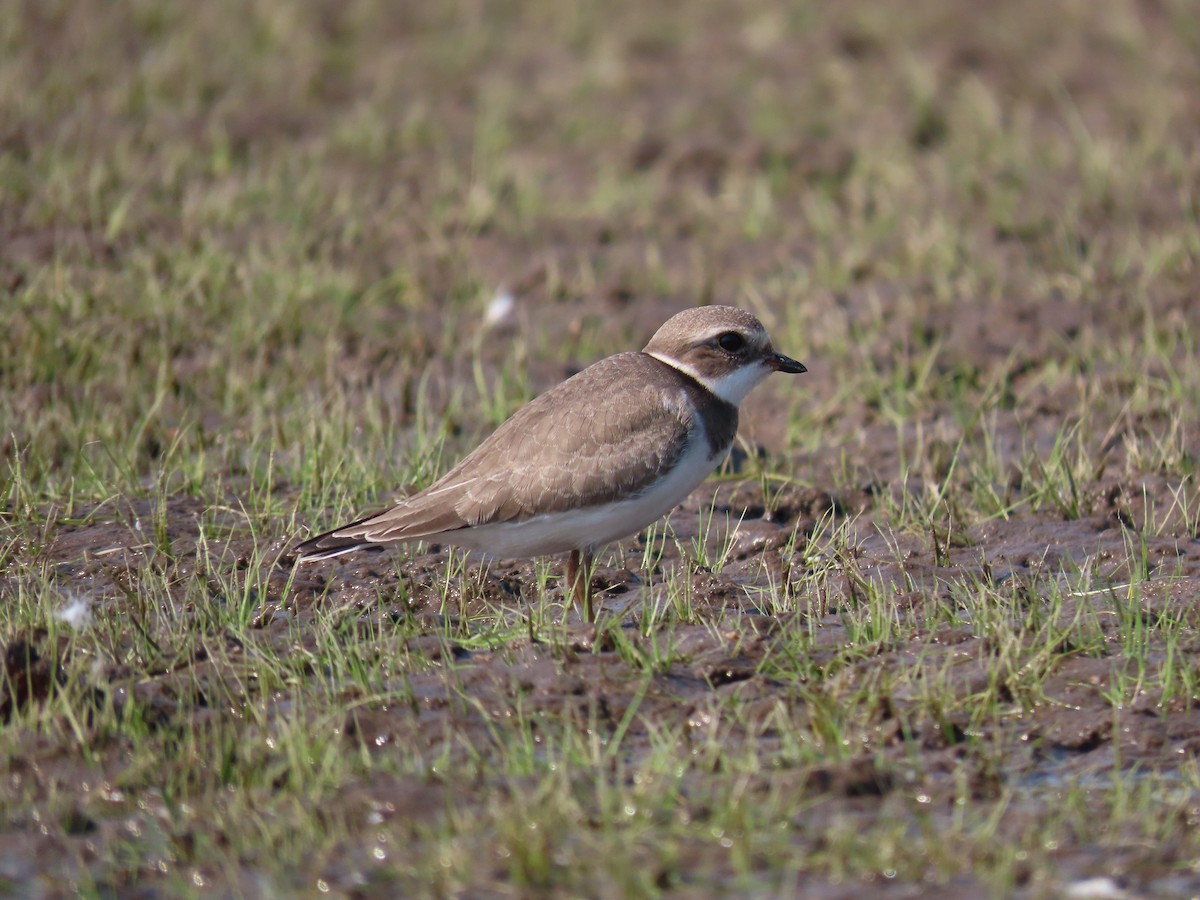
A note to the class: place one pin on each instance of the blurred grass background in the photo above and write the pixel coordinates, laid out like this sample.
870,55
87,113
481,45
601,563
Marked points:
246,253
216,221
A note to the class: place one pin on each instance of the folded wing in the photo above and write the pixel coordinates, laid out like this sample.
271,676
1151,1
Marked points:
603,435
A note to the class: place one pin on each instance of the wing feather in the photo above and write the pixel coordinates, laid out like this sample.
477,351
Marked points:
602,435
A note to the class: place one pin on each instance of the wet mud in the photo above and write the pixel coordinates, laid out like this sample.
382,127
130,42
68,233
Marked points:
1030,609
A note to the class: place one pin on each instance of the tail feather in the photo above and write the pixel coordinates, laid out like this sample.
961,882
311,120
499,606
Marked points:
333,543
317,549
417,517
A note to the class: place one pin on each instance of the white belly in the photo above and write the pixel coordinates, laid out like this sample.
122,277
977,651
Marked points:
593,526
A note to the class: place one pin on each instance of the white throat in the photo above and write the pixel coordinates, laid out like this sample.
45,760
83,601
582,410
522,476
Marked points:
732,387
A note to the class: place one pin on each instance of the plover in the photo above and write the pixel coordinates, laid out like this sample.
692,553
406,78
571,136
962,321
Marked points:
596,458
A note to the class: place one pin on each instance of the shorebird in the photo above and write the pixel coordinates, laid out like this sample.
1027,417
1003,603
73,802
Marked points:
594,459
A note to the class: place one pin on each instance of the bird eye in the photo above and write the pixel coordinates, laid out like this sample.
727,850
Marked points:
731,342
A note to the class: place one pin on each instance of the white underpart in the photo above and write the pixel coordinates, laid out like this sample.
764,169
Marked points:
732,387
594,526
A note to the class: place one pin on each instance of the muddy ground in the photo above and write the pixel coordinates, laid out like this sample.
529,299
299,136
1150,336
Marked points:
1016,294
